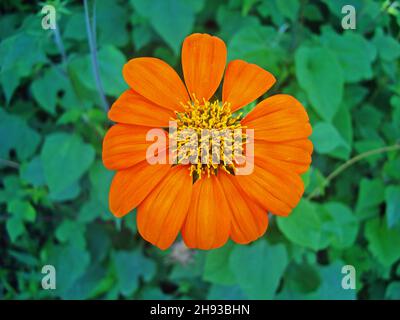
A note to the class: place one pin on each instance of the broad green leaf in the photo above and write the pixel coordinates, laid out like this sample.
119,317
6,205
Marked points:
392,168
15,134
111,60
65,159
45,89
382,241
340,223
22,210
216,269
32,172
304,226
84,287
321,76
16,63
72,232
11,189
142,35
370,195
289,8
257,44
130,267
70,263
393,291
302,278
392,197
98,242
68,193
100,179
370,12
224,292
343,124
258,268
231,21
353,51
173,20
366,145
15,228
331,284
388,47
326,138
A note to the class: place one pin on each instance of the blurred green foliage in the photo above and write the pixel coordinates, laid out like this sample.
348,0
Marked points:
54,188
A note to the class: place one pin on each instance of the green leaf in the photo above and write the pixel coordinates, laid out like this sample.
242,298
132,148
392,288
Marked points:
216,270
72,232
353,51
70,263
257,44
382,241
326,138
84,287
321,76
16,63
65,159
16,135
173,20
15,228
370,195
45,89
32,172
68,193
392,168
392,197
388,48
341,224
288,8
223,292
343,124
232,21
393,291
304,226
111,61
12,189
130,266
331,284
303,278
142,35
22,210
258,268
100,179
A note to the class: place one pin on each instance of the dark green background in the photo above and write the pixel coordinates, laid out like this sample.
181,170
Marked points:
54,188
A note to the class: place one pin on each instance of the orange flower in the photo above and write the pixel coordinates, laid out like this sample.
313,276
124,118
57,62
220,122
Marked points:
208,203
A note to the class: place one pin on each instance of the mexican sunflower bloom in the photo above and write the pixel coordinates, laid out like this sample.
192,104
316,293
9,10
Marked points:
207,202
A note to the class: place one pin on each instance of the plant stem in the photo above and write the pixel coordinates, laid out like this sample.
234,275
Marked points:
9,163
60,45
93,53
349,163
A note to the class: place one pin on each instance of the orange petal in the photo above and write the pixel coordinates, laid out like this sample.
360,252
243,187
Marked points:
124,146
274,189
161,215
203,63
207,225
249,220
245,82
293,157
132,108
156,81
131,186
278,118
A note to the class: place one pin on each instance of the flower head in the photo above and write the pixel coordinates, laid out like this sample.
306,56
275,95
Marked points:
204,194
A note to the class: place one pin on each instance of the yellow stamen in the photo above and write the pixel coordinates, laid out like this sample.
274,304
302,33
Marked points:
207,137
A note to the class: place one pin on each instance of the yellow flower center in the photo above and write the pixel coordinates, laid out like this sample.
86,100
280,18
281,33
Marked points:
208,137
